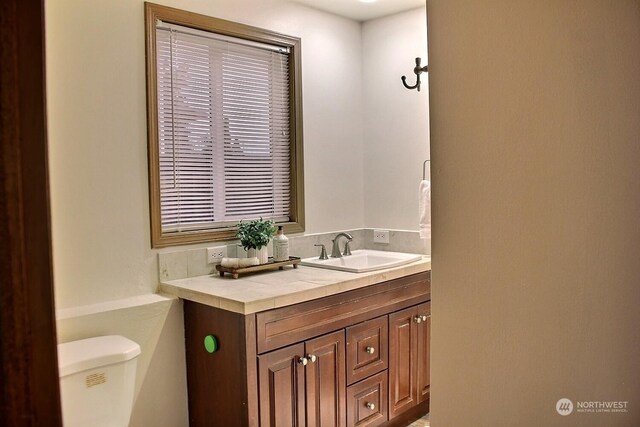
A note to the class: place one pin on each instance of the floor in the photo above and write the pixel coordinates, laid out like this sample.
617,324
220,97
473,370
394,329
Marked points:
422,422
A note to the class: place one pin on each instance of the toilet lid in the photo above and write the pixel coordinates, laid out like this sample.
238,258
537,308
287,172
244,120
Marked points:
90,353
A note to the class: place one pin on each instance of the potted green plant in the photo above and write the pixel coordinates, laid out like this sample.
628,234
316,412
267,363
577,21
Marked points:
254,237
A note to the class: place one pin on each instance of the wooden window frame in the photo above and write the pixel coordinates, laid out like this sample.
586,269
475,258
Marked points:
154,12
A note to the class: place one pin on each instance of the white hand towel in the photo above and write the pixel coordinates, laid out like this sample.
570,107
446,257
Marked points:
425,209
248,262
239,262
229,262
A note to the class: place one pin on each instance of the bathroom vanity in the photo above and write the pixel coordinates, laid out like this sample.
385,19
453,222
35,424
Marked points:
348,350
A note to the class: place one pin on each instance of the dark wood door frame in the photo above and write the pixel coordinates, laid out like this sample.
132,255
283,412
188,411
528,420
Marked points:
28,359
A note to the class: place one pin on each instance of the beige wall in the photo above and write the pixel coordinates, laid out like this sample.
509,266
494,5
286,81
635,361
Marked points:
535,130
98,170
396,139
105,271
97,131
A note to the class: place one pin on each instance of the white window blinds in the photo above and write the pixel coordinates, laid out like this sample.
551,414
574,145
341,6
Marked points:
223,130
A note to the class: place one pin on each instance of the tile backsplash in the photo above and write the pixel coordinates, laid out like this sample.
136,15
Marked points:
185,263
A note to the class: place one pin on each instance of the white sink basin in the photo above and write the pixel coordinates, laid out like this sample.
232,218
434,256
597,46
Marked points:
363,260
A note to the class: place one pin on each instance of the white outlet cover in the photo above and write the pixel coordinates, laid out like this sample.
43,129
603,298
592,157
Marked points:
381,236
215,254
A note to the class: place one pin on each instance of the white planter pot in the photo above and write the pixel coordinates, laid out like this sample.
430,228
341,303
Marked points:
262,254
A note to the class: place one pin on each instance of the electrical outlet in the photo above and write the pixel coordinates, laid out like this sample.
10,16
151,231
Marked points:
381,236
215,254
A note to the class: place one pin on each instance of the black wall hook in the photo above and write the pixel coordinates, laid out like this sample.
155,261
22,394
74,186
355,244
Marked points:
418,70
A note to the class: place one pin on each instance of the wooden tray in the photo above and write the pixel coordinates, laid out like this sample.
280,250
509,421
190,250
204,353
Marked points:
235,272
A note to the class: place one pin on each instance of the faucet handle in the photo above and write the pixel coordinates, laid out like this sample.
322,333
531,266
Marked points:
323,252
347,248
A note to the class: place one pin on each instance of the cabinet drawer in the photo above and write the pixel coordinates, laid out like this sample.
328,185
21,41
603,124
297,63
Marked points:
282,326
367,349
367,402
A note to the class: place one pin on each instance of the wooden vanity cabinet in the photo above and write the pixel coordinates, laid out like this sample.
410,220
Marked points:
304,382
409,337
424,353
337,361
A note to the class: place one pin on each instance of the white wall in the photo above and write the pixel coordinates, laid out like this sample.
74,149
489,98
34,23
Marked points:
155,323
396,138
98,166
535,136
97,134
104,268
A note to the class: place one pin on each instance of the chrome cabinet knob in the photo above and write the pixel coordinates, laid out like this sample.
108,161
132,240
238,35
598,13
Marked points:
370,350
370,406
424,318
417,319
303,361
312,357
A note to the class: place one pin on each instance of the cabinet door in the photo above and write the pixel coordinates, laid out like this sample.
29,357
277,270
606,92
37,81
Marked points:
325,381
282,388
403,353
424,352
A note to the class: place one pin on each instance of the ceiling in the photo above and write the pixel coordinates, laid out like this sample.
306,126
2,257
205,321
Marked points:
361,11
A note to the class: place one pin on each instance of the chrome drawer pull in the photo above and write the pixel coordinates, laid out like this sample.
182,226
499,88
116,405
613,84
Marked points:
370,406
370,350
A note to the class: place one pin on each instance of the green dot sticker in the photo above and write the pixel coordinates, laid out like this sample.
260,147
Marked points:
211,344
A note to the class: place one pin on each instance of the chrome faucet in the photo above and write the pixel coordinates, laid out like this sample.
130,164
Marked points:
323,252
335,252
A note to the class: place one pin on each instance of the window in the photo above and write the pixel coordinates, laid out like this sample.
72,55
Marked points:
224,127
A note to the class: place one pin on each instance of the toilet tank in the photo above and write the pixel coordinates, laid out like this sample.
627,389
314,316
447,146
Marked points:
97,378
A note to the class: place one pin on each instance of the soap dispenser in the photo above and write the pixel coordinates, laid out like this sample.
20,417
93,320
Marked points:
280,246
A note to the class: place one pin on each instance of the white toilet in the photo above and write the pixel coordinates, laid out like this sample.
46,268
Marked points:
97,378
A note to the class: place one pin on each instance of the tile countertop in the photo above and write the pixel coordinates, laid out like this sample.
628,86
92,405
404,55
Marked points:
278,288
